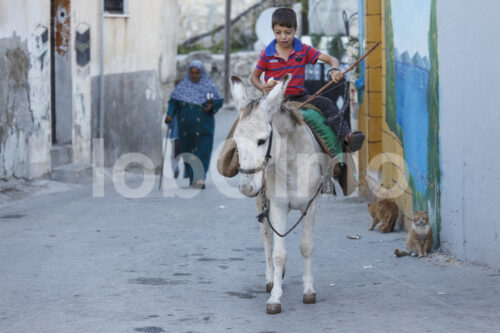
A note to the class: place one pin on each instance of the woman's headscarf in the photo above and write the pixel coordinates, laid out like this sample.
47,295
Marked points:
196,93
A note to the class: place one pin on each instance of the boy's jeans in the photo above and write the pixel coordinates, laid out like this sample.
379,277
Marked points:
335,118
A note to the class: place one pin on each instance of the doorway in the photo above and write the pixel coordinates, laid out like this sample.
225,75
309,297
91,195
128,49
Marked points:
62,117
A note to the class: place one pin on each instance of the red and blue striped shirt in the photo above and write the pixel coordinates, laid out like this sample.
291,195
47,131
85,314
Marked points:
275,66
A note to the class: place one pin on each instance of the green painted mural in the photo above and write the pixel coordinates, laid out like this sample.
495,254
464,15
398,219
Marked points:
412,97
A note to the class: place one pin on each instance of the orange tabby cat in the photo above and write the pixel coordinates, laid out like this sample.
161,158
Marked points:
385,211
419,240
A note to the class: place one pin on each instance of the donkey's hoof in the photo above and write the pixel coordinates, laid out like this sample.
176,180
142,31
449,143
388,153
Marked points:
269,287
273,308
309,298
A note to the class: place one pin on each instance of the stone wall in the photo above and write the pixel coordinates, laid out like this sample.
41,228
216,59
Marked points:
325,17
242,65
199,16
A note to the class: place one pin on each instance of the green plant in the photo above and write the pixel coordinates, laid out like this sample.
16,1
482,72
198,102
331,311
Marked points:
316,39
242,41
217,47
353,43
305,15
336,47
184,49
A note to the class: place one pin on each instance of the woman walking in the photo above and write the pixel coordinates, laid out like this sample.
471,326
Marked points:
194,101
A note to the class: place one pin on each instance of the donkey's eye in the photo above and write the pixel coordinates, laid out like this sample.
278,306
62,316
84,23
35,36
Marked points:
261,142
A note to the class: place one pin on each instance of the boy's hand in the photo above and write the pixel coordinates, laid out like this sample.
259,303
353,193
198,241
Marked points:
270,85
336,75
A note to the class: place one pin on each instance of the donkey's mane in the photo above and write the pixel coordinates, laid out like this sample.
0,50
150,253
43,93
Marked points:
285,108
293,113
247,109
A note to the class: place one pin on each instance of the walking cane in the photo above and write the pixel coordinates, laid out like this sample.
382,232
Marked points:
163,157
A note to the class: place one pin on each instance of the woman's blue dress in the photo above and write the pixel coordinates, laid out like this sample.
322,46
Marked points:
195,130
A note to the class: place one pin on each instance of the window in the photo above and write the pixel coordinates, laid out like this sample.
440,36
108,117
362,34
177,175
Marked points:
116,6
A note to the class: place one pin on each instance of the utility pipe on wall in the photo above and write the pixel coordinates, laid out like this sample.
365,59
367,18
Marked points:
227,51
101,75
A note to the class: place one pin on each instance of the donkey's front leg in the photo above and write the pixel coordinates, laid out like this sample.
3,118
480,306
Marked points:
306,248
278,216
267,237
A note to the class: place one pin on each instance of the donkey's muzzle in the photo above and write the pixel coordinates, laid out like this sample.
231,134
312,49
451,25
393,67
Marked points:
248,190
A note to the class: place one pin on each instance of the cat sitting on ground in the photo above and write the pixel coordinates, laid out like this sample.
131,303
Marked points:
419,240
384,211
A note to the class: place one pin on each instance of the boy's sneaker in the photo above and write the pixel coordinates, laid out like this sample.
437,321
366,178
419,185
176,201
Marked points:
355,141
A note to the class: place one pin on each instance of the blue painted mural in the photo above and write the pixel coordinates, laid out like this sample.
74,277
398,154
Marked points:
412,80
412,97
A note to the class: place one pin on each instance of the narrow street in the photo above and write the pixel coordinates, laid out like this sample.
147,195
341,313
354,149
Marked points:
75,263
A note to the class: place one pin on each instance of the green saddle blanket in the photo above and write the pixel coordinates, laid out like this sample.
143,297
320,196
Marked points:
323,133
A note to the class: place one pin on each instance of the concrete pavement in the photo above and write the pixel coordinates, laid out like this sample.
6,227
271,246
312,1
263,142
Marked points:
74,263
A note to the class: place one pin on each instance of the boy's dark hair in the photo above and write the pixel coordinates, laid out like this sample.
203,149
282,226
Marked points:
285,17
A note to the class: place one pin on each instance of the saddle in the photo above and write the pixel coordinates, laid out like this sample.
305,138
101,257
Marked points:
325,136
341,164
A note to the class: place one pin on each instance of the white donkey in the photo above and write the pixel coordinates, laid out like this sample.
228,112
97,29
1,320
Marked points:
278,158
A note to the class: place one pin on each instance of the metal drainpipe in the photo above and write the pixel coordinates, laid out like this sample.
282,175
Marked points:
101,75
227,51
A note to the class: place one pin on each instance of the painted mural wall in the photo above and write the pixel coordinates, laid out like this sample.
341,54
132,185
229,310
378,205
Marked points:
412,102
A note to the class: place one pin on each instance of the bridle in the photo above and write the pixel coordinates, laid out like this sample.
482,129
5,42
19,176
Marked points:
266,159
265,201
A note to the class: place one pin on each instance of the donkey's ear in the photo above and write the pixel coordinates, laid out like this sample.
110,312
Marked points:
238,91
275,97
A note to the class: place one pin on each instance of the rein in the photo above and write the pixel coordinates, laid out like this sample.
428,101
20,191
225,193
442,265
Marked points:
265,201
266,209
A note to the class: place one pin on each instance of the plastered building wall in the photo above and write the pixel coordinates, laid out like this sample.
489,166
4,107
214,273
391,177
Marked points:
25,130
139,66
469,132
139,61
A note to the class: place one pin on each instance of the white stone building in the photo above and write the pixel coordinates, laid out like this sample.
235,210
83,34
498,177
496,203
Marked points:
50,97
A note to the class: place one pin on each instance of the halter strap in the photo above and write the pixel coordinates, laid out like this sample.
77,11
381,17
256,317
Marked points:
266,159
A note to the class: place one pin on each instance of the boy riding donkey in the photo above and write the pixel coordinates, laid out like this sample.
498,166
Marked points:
287,54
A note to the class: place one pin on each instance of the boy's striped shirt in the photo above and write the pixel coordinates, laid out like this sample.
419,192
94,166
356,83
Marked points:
275,67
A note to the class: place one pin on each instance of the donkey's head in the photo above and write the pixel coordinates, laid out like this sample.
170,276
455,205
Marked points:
253,133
